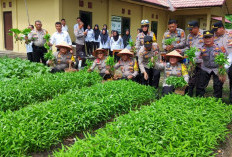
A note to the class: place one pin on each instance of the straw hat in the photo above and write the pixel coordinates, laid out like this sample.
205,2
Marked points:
99,50
125,51
174,54
64,44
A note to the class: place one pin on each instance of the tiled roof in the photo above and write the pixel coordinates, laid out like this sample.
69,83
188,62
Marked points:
187,3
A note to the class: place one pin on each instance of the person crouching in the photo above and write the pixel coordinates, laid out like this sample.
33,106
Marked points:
172,68
100,63
62,58
127,64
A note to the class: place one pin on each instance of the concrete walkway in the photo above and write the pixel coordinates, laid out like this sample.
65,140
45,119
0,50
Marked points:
12,54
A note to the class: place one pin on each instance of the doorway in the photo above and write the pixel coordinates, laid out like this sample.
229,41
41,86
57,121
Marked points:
7,18
154,28
125,24
86,18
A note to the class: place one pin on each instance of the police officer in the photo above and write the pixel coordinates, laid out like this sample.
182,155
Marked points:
194,39
172,68
145,32
37,36
208,67
147,52
127,64
174,32
223,39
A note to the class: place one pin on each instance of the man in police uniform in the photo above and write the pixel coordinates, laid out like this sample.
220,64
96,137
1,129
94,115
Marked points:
145,32
147,52
208,67
223,39
37,36
194,39
174,32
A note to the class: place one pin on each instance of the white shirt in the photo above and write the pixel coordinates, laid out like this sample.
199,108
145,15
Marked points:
65,28
57,38
90,35
29,47
116,45
105,45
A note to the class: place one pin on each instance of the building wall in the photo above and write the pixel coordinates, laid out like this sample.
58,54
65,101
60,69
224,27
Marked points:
44,10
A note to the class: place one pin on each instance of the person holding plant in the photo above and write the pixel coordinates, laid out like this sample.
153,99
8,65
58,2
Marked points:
62,59
193,43
29,46
127,64
223,38
100,63
174,38
144,32
37,36
173,68
147,54
209,67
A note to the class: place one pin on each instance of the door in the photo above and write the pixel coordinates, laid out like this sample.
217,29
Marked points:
154,27
86,18
7,17
125,24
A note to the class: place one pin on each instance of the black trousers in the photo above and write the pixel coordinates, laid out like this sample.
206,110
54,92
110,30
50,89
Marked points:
153,78
38,53
230,81
89,47
204,81
167,90
30,56
193,81
96,45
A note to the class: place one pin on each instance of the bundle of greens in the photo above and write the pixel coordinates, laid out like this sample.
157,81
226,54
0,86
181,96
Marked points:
190,54
177,82
221,60
49,55
169,41
110,62
16,33
132,45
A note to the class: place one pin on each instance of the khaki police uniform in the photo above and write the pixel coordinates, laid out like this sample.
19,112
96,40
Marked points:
179,34
62,61
100,64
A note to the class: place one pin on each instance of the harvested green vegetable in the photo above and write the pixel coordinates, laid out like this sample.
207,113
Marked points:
174,126
169,41
190,54
132,45
49,55
221,60
110,62
177,82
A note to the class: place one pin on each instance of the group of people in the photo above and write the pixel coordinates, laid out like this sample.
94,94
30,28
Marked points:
134,65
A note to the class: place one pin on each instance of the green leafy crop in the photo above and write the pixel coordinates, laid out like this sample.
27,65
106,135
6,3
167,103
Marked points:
175,81
132,45
110,61
169,41
38,127
174,126
221,60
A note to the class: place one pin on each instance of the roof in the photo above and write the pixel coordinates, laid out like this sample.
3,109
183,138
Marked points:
220,19
187,3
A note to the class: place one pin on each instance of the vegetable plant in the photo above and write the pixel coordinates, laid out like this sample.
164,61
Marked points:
177,82
49,55
132,45
38,127
16,33
16,94
169,41
190,54
110,62
221,60
173,126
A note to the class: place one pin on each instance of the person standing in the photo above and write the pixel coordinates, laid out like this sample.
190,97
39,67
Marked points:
60,36
104,40
64,26
37,36
76,26
80,35
89,40
116,42
174,32
194,39
208,67
97,38
29,46
147,53
126,39
223,39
